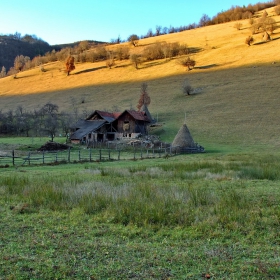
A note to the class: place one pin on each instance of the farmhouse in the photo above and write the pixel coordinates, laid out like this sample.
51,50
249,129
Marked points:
101,126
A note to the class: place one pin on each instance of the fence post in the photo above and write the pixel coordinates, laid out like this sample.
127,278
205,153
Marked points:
79,155
69,154
119,155
141,153
13,155
109,153
56,157
100,155
43,157
134,154
29,158
89,154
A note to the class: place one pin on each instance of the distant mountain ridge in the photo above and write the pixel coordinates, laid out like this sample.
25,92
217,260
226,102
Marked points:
10,47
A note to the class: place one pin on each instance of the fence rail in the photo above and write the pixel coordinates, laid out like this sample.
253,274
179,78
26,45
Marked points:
18,158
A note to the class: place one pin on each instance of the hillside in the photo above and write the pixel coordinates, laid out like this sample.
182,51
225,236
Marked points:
237,87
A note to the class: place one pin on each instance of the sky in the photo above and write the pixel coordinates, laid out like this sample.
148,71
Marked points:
68,21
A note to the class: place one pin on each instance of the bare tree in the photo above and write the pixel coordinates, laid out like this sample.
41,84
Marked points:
144,97
135,60
3,72
186,87
50,119
158,30
204,20
110,60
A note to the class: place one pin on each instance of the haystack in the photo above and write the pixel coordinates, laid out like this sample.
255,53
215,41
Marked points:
183,140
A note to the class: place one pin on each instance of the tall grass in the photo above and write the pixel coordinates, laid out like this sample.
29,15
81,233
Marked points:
201,194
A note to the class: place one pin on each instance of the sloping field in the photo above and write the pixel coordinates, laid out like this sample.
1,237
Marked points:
237,87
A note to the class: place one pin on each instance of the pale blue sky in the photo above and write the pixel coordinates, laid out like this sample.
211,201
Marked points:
67,21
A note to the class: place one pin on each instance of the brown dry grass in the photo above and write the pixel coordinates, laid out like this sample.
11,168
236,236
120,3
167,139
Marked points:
238,87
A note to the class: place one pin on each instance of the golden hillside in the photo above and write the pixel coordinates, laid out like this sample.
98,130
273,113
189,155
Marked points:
237,86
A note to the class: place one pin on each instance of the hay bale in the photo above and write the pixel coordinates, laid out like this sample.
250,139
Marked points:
183,139
126,126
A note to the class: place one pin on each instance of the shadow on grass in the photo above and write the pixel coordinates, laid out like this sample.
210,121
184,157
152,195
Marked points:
195,50
123,66
26,76
154,63
89,70
206,66
260,43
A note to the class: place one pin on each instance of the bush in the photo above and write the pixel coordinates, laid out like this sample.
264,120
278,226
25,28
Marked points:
277,10
249,40
188,62
135,60
238,25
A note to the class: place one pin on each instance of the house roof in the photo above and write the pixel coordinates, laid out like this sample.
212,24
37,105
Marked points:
140,116
86,127
107,116
110,117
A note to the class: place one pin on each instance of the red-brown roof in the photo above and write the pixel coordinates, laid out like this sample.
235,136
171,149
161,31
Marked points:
110,117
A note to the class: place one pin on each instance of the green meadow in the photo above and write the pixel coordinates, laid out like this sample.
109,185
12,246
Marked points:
213,215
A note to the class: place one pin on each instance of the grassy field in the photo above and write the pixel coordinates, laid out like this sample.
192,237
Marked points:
187,217
201,216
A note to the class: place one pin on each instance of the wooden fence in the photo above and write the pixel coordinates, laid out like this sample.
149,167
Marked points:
19,158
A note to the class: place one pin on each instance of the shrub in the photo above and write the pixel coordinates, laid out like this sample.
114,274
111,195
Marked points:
135,60
133,39
188,62
238,25
277,10
249,40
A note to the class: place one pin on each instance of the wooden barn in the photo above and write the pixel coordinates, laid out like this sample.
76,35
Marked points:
103,126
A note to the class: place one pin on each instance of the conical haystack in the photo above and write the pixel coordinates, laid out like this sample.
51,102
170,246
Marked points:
183,139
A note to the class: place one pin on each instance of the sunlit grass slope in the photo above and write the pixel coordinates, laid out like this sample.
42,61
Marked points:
236,103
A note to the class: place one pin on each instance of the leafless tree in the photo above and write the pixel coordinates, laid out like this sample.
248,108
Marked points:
135,60
186,87
110,62
144,97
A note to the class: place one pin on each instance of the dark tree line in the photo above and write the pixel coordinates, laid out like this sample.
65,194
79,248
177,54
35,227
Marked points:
45,121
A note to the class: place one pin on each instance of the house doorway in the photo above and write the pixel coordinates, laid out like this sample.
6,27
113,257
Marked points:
100,137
